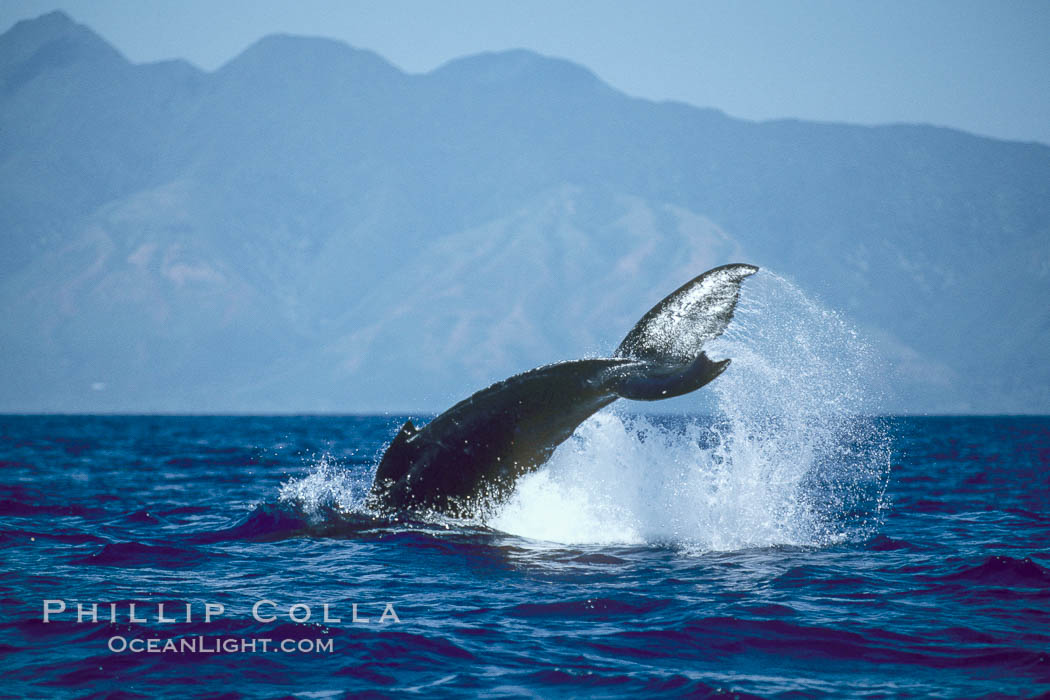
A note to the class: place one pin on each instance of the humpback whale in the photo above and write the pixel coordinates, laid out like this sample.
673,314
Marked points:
472,454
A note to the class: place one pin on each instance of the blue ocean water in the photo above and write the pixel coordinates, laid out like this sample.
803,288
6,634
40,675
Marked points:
934,581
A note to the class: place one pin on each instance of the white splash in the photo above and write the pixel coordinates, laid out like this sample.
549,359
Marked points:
788,457
327,488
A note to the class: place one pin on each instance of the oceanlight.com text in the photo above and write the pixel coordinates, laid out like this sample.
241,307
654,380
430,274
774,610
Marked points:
218,645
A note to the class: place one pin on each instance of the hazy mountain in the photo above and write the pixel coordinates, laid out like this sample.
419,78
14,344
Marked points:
309,228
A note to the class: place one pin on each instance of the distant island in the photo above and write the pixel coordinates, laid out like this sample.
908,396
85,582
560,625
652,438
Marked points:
310,229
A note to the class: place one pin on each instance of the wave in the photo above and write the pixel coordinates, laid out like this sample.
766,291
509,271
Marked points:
138,554
1004,571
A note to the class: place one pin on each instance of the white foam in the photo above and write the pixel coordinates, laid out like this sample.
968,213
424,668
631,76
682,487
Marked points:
325,489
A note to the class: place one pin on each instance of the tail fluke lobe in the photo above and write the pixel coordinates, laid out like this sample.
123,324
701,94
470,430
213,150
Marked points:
668,341
654,381
674,331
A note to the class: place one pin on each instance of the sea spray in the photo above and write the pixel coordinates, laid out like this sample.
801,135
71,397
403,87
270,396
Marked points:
324,492
789,452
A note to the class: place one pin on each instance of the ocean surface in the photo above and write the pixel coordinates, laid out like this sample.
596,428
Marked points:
931,579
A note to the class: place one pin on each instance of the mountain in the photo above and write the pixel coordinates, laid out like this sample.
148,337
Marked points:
310,229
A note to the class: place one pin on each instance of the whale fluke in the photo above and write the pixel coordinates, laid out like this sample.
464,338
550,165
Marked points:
473,453
676,329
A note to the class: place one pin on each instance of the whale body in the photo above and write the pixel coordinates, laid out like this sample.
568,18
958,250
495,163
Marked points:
471,455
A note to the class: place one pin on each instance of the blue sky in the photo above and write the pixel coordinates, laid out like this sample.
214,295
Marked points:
983,67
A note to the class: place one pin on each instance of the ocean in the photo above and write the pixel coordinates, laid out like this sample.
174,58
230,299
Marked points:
933,582
779,538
